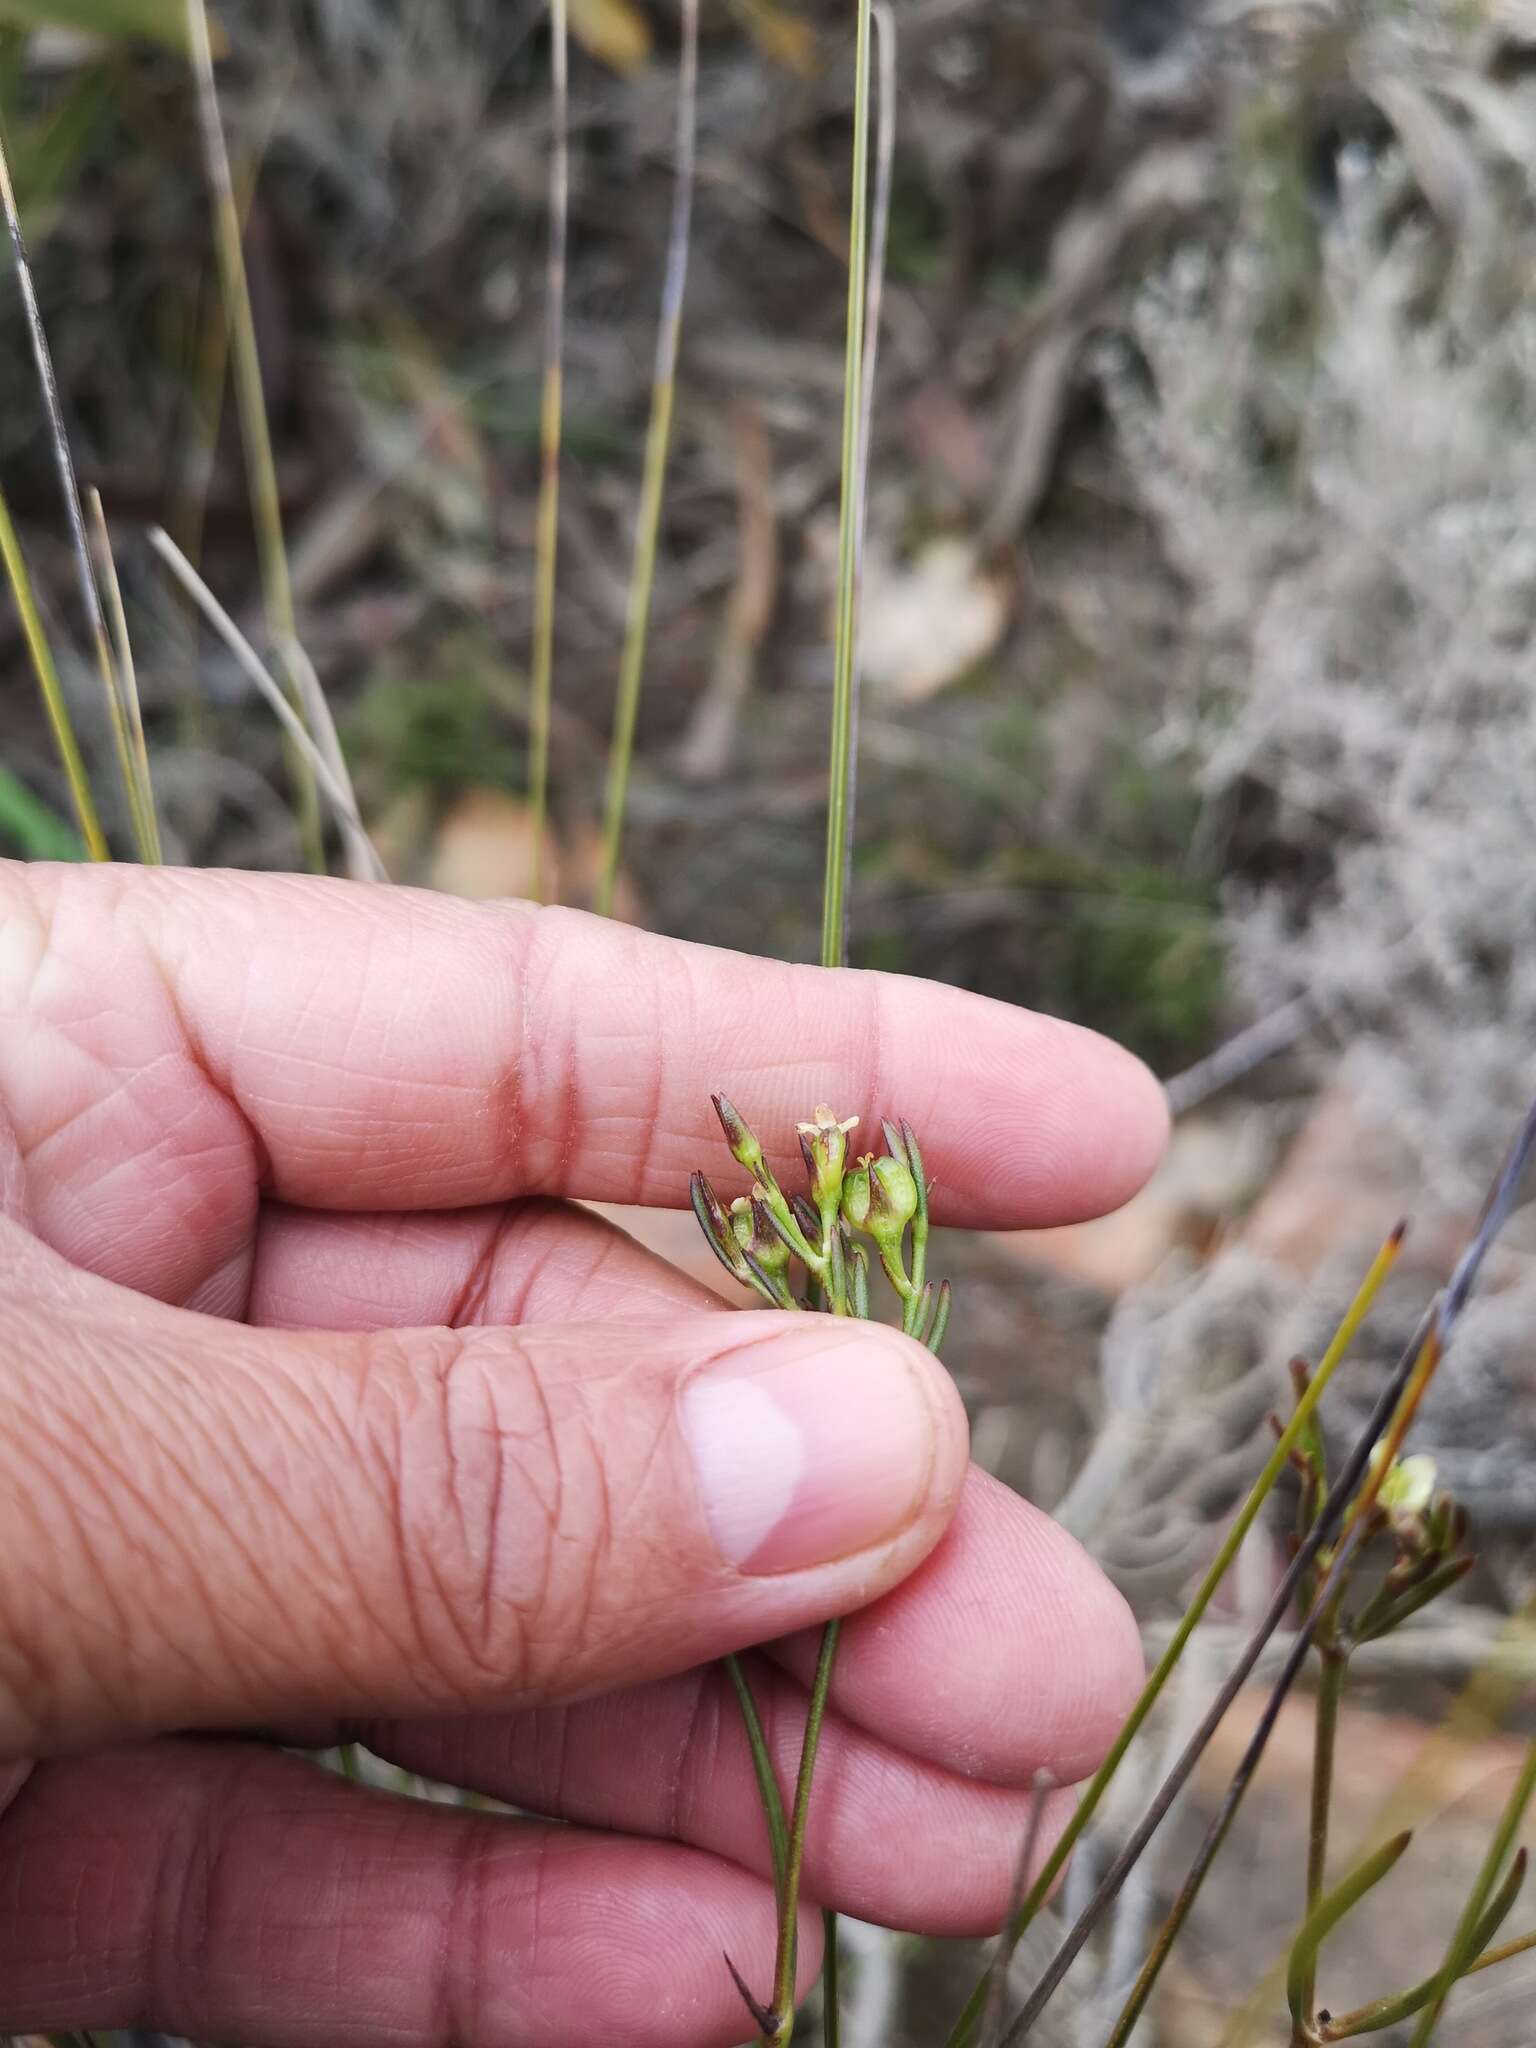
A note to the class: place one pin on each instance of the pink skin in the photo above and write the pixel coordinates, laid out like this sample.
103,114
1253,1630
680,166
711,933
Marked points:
319,1403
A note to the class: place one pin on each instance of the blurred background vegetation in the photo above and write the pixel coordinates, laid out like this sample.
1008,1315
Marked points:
1198,621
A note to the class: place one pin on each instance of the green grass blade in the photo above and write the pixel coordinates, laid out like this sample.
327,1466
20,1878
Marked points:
37,832
551,410
658,440
52,689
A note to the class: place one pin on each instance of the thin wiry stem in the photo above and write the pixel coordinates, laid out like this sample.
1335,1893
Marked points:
879,235
1408,1379
251,405
52,689
834,908
1330,1696
122,692
964,2029
550,416
783,2007
69,488
338,793
658,440
831,1985
1007,1943
834,915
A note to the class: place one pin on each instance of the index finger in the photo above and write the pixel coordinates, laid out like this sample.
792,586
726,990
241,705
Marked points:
392,1049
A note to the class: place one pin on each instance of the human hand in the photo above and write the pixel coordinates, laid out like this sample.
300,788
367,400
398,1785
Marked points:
323,1415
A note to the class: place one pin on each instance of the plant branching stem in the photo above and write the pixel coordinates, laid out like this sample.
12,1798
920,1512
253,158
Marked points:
964,2031
1401,1394
1226,1814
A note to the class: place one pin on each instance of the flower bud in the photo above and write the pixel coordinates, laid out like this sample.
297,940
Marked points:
824,1142
745,1149
856,1196
755,1235
892,1197
718,1228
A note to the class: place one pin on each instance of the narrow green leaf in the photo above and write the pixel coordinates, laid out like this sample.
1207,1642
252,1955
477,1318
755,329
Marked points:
1398,1611
762,1767
1391,2011
1330,1910
35,831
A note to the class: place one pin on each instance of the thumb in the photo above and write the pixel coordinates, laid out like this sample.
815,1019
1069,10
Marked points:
206,1524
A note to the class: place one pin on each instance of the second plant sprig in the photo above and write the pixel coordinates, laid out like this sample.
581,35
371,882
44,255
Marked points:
814,1252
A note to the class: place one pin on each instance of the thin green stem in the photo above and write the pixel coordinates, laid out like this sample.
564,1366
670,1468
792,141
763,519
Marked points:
1330,1694
783,2003
51,688
551,408
251,407
1462,1941
654,479
962,2035
834,907
834,914
831,1989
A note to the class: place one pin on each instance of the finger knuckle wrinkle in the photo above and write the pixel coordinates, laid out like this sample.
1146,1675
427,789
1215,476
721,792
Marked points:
481,1517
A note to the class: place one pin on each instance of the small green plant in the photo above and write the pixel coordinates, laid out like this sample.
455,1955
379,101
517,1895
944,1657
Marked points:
812,1252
